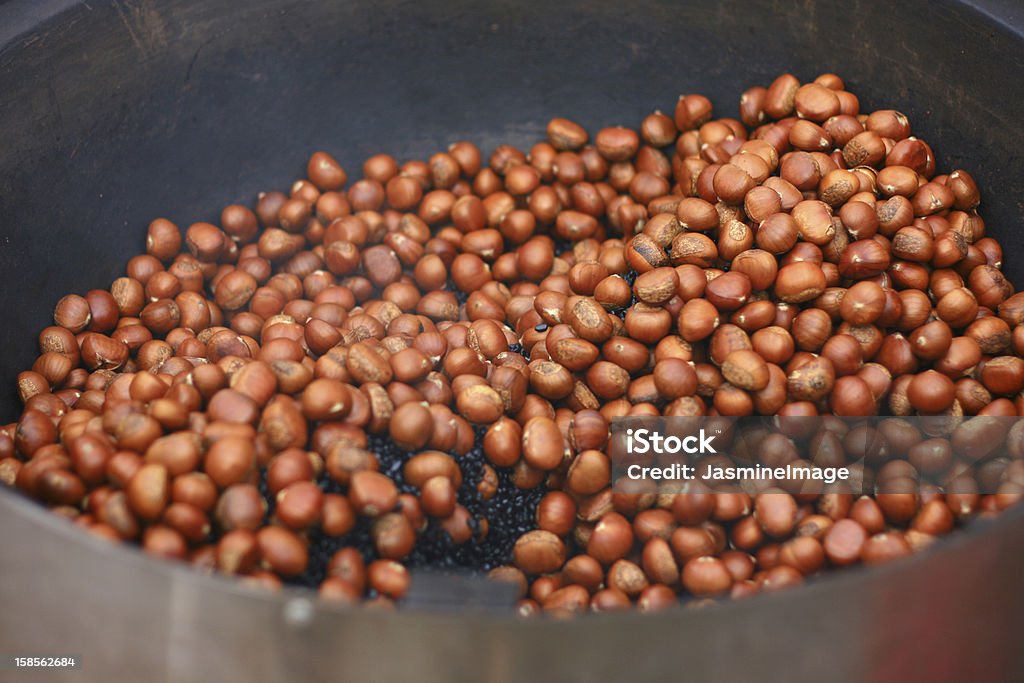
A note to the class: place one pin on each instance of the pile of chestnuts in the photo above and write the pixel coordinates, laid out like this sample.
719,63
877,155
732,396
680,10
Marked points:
350,381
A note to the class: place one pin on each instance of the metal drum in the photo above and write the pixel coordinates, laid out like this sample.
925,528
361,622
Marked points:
116,112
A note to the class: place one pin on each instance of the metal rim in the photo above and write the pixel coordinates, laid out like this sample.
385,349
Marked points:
979,531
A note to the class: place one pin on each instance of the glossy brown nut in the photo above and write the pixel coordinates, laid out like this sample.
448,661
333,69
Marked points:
100,352
299,504
674,378
480,404
566,601
60,487
852,396
556,513
759,266
706,576
325,399
659,563
844,541
549,379
564,134
627,577
776,513
543,446
422,466
393,536
989,285
366,365
282,551
800,282
337,517
617,144
73,313
863,303
864,258
611,539
205,241
388,577
656,286
161,316
372,493
729,291
411,425
746,369
438,497
884,547
237,552
731,183
230,460
325,172
698,319
502,442
811,381
931,392
589,473
240,507
1003,375
539,552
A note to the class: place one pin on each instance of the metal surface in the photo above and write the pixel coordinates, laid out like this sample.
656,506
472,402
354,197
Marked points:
113,113
950,614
